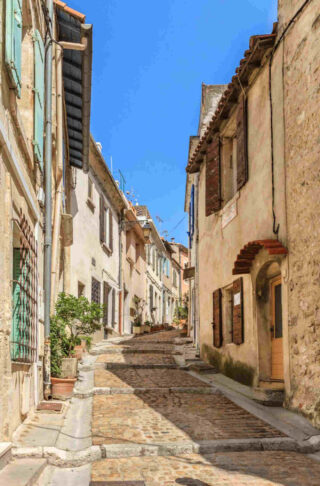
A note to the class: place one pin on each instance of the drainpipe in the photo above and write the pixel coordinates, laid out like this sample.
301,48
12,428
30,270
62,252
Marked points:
59,159
48,204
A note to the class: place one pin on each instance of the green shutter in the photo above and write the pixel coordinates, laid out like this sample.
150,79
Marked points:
13,42
16,305
38,97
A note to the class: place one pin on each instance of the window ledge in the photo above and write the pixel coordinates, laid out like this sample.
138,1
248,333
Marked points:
91,204
106,248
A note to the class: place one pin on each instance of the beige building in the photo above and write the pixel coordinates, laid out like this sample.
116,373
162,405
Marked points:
22,193
254,168
133,265
95,255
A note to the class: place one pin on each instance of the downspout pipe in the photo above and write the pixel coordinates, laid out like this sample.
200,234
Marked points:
48,202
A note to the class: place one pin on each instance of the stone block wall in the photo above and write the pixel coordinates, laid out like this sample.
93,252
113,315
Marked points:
302,154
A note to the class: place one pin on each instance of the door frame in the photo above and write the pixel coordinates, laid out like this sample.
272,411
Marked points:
273,283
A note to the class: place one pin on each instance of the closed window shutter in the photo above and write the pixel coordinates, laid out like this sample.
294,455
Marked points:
110,230
102,221
13,42
242,144
16,305
113,307
213,185
106,290
217,318
38,97
238,331
192,211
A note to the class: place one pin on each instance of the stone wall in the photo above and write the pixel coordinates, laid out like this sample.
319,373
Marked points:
302,153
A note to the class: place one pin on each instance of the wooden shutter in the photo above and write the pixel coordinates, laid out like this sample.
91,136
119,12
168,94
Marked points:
217,318
238,334
13,42
110,230
38,97
213,185
106,290
242,144
113,307
102,221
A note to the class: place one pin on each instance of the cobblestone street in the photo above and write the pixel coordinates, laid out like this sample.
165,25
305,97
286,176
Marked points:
168,407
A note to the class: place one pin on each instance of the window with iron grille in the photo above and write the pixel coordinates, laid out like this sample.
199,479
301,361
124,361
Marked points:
24,294
95,291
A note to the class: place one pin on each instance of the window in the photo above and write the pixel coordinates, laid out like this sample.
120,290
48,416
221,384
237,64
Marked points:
106,225
81,288
13,42
175,284
150,298
113,321
24,294
95,291
106,290
229,169
38,98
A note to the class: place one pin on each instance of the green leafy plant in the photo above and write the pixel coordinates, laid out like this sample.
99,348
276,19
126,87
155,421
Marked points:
139,305
74,317
88,340
148,323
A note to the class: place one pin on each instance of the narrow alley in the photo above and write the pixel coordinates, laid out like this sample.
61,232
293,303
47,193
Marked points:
159,419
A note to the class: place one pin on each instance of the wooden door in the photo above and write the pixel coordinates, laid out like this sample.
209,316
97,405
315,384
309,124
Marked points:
276,329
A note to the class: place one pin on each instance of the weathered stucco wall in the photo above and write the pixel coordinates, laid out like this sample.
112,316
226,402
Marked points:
302,144
219,246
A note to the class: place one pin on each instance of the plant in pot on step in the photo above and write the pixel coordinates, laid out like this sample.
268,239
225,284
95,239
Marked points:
138,306
74,317
147,326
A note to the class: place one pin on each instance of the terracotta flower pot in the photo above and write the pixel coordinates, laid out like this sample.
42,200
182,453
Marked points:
62,388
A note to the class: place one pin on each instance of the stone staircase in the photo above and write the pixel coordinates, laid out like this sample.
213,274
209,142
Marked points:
19,472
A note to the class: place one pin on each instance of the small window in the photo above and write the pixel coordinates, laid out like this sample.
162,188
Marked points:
229,169
81,288
95,291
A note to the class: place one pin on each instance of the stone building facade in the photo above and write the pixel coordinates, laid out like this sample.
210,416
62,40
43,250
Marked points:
255,167
22,196
95,255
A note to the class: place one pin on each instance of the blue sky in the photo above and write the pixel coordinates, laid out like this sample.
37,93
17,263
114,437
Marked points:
150,58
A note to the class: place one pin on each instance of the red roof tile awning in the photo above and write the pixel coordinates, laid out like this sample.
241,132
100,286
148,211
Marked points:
248,253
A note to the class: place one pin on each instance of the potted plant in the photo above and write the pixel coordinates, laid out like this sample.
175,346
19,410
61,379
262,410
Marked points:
138,304
147,326
73,317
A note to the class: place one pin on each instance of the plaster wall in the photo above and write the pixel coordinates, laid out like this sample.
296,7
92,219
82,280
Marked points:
89,258
219,243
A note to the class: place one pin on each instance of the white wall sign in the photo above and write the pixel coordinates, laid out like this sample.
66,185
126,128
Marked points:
229,213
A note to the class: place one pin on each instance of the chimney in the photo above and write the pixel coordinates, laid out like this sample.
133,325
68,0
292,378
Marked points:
99,146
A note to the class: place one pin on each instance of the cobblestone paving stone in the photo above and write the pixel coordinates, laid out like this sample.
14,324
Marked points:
154,417
135,378
220,469
136,359
157,416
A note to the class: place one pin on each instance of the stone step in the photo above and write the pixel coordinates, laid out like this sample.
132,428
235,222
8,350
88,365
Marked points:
5,453
22,472
200,367
120,366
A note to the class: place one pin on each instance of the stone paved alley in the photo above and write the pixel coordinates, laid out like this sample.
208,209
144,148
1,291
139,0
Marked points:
156,405
142,415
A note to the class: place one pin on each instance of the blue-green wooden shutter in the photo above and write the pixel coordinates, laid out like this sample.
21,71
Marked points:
38,97
13,42
16,305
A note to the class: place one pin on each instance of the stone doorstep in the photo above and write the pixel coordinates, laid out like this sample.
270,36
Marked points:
5,453
62,458
22,472
131,391
117,483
